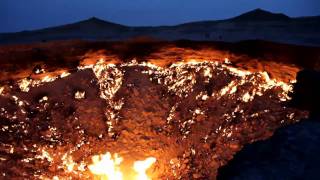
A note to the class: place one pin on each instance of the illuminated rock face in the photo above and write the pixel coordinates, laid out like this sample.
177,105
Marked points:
192,117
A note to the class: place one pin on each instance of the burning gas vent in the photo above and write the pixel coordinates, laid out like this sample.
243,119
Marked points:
137,120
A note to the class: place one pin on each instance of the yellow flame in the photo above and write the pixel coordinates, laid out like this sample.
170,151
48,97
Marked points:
142,166
106,167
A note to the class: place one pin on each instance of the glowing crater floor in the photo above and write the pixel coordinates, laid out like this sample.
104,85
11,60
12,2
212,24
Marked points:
191,116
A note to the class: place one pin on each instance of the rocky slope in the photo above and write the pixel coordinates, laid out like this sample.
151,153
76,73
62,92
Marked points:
292,153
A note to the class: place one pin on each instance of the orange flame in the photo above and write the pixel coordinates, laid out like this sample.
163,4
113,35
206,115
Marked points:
141,167
106,167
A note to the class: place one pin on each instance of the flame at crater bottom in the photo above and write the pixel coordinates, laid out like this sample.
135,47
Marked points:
106,167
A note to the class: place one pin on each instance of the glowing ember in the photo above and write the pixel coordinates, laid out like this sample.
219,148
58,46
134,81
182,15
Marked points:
107,167
1,90
80,95
24,84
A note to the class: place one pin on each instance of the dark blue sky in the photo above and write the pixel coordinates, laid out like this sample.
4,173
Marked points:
18,15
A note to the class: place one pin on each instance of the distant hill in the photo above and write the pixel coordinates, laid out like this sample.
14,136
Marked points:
257,24
261,15
89,24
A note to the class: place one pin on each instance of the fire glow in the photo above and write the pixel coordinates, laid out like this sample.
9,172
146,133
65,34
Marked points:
181,79
107,167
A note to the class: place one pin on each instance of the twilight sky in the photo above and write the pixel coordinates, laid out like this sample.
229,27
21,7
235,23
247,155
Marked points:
18,15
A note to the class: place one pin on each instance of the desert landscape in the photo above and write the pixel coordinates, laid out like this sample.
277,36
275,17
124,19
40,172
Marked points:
228,99
254,25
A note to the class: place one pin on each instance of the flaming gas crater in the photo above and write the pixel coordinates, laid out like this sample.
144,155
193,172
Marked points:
179,80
